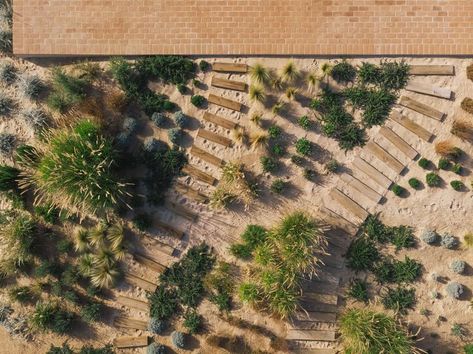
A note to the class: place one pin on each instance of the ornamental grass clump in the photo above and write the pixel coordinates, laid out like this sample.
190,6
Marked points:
463,129
30,86
259,74
8,72
343,72
448,150
467,105
424,163
35,117
358,290
75,170
67,90
289,72
457,185
367,331
415,183
256,93
433,180
400,299
290,253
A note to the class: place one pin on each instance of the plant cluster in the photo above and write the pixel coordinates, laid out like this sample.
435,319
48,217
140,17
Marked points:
220,286
424,163
358,290
233,186
463,129
87,349
454,289
50,317
67,90
394,271
343,72
430,237
399,299
400,236
288,254
253,237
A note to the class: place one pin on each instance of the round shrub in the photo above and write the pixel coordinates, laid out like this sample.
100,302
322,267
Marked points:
180,119
178,339
198,100
158,119
449,241
7,73
182,89
156,326
151,145
174,134
458,266
429,237
457,168
274,131
424,163
6,104
278,186
303,146
454,289
343,72
155,348
30,86
398,190
457,185
433,179
129,125
444,164
35,118
204,65
168,106
7,142
414,183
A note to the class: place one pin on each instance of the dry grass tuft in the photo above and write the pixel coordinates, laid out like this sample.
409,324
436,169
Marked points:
239,134
469,72
256,118
258,139
463,129
447,149
467,105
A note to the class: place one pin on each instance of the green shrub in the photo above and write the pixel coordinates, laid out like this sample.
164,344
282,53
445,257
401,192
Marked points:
424,163
64,349
399,299
67,90
343,72
274,131
198,101
242,251
457,168
91,312
369,73
398,190
192,321
377,107
71,296
406,271
48,213
142,221
305,123
172,69
21,294
278,150
8,178
468,349
394,75
402,237
46,268
50,317
303,147
414,183
278,186
358,290
375,230
249,293
180,119
332,166
204,65
175,135
362,254
457,185
433,179
444,164
254,235
156,348
269,164
64,246
219,283
182,89
366,331
163,303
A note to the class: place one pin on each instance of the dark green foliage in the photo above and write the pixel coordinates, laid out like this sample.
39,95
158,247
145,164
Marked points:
67,90
50,317
71,296
362,254
457,185
91,350
369,73
398,190
167,68
399,272
8,178
375,230
21,294
182,89
204,65
278,186
278,150
46,268
394,75
19,236
332,166
48,213
198,101
192,321
358,290
468,349
424,163
305,122
142,221
309,174
414,183
268,164
433,180
343,72
242,251
220,286
402,237
182,283
274,131
91,312
297,160
303,146
70,275
163,166
399,299
8,73
457,168
64,349
30,86
444,164
253,236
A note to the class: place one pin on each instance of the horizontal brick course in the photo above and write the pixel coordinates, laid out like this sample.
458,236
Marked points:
238,27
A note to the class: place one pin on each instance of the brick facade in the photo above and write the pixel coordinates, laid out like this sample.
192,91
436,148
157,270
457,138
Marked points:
239,27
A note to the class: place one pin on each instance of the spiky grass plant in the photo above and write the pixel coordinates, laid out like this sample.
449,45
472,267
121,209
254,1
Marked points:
81,239
256,118
447,149
463,129
312,82
86,264
367,331
291,93
257,94
104,276
258,139
75,171
289,72
239,134
116,236
30,86
278,107
8,72
468,240
259,74
35,117
104,257
96,235
277,83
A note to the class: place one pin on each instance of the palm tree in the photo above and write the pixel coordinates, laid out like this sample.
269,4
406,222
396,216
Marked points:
259,74
289,72
257,93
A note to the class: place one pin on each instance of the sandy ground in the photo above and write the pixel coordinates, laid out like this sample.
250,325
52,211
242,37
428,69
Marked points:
441,209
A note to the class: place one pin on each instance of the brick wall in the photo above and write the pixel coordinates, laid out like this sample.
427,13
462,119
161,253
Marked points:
231,27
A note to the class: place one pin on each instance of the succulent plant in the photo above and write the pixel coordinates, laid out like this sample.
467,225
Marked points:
449,241
429,237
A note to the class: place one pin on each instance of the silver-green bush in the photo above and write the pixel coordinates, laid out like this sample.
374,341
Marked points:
449,241
454,289
178,339
429,236
458,266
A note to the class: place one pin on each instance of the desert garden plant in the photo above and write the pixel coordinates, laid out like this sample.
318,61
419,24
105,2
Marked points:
156,326
304,122
258,139
278,186
398,190
457,185
454,289
8,72
458,266
158,118
430,237
358,290
192,321
274,131
467,105
180,119
30,86
7,105
204,65
175,135
369,74
278,107
259,74
424,163
468,240
178,339
291,93
303,147
448,150
289,72
268,164
366,331
444,164
362,254
312,81
415,183
457,168
463,129
399,299
91,312
35,117
343,72
257,94
21,294
67,90
50,317
449,241
433,180
394,75
332,166
8,178
198,101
